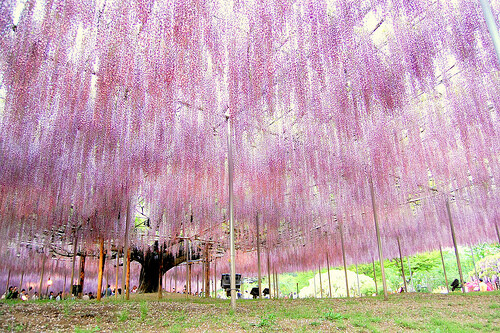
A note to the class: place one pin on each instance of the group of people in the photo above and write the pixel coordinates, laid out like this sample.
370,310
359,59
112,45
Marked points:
13,293
31,294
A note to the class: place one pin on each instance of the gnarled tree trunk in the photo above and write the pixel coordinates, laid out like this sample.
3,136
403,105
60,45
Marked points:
150,262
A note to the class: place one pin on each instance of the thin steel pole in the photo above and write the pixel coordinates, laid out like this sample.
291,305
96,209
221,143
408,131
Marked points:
375,277
160,273
343,257
117,272
474,262
444,269
411,275
492,27
259,273
231,213
357,278
315,292
329,281
402,264
455,245
320,282
277,287
498,233
269,272
379,242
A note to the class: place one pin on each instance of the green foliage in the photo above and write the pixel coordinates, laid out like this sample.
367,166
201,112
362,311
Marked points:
123,315
85,330
331,315
268,321
144,310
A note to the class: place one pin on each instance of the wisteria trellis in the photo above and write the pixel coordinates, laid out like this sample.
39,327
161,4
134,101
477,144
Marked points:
105,102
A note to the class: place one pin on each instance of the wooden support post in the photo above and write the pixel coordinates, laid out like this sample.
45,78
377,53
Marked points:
297,290
128,220
455,245
375,276
21,283
379,241
329,281
75,249
259,274
127,285
160,273
82,275
41,277
8,282
343,256
444,269
320,282
207,271
64,288
197,284
117,272
402,264
101,264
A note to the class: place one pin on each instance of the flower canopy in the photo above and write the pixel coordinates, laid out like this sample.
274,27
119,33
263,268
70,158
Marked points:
106,104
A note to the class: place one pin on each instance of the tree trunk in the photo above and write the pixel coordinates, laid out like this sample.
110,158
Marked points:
150,262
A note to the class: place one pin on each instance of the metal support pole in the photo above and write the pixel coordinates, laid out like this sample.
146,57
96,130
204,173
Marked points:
320,282
259,273
402,265
315,292
498,233
379,242
269,272
329,281
231,213
375,277
444,269
357,277
160,273
474,262
492,27
117,272
455,245
343,257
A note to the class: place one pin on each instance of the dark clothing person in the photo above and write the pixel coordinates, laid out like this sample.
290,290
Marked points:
455,285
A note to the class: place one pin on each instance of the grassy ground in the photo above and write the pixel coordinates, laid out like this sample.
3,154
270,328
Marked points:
475,312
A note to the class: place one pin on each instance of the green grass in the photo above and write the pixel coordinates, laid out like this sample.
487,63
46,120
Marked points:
89,330
123,315
411,312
